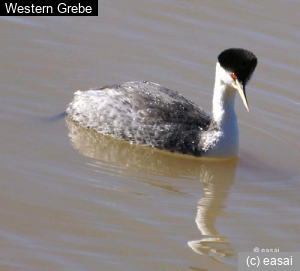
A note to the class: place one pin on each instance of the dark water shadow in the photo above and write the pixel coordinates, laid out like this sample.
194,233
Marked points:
54,118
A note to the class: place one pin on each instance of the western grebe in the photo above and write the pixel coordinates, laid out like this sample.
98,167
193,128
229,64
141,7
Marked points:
149,114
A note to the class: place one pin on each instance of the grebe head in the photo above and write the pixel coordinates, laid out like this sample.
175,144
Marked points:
237,66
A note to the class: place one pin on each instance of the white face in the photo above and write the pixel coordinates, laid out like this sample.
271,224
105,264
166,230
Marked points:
226,77
230,80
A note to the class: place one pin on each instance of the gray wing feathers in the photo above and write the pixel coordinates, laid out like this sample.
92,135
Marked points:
142,112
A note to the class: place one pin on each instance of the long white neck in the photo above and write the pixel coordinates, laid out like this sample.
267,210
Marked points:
223,99
226,140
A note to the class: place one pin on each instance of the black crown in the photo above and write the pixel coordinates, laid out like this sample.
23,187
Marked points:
239,61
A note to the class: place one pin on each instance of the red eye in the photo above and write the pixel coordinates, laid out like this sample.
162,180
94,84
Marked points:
233,76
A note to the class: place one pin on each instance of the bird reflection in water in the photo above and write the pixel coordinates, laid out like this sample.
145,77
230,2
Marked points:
217,178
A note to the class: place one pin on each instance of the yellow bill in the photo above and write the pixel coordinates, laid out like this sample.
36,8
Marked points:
242,94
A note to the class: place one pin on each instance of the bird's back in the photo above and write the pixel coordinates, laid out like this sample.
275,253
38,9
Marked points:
144,113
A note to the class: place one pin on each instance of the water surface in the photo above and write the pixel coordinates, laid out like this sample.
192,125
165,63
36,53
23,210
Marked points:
71,199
